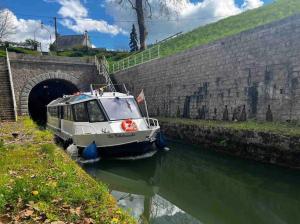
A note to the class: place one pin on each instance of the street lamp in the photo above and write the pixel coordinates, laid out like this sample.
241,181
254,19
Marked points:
42,27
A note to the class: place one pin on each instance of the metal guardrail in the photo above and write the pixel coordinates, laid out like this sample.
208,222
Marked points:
11,85
136,59
103,69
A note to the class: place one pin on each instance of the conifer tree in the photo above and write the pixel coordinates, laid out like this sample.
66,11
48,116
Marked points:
133,44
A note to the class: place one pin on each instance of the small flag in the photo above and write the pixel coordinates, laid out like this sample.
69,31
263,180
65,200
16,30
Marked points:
141,97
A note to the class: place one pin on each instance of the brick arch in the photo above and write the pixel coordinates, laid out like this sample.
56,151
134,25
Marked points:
24,95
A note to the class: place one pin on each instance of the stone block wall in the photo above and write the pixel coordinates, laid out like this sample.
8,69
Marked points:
28,71
252,75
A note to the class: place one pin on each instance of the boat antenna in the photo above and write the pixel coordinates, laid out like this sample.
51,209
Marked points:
127,92
91,88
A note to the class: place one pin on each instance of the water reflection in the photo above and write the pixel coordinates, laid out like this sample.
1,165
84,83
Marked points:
191,185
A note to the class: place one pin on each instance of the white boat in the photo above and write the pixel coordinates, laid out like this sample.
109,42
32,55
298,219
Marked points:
111,120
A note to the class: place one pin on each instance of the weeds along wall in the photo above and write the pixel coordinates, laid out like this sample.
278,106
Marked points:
252,75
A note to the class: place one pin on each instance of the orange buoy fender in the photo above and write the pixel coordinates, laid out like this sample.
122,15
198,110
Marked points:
129,125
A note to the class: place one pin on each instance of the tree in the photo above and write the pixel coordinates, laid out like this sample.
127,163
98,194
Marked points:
143,8
52,47
133,44
6,24
33,44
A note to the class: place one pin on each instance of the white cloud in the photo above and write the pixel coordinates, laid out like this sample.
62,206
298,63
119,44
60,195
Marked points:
80,25
28,29
184,16
72,9
76,19
252,4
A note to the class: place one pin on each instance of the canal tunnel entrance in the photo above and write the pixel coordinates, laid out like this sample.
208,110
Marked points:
43,93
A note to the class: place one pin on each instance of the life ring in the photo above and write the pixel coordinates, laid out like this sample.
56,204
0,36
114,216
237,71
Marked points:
129,125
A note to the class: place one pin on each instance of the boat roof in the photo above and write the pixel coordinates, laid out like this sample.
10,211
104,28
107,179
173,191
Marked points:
81,97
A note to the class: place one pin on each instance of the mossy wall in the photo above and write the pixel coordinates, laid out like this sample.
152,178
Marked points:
260,144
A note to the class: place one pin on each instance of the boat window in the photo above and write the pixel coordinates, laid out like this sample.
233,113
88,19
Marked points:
61,112
65,113
53,111
80,113
68,114
94,110
121,108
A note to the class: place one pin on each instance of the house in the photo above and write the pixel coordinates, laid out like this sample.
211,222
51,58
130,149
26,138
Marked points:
68,42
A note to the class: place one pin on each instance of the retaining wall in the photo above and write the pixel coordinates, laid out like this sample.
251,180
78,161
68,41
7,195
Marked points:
252,75
262,146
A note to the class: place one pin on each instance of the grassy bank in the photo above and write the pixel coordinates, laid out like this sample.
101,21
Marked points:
230,26
39,182
273,127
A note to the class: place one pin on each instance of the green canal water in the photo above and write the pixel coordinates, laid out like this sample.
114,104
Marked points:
188,185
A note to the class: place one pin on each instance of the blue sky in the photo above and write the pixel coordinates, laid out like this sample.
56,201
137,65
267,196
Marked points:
109,23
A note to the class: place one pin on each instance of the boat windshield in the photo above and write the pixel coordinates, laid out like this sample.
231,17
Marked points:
121,108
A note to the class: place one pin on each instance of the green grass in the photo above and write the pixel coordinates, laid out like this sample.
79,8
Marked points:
23,50
2,53
231,26
17,50
271,127
39,182
82,52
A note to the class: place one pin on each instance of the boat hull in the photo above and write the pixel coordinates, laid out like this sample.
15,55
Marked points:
127,150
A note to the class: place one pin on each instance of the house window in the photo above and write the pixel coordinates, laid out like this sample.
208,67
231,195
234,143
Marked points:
94,110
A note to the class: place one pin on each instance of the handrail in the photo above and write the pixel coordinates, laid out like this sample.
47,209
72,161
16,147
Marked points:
11,85
139,58
103,68
152,122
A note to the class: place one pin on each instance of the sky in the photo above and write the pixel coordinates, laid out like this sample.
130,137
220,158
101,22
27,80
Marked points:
109,23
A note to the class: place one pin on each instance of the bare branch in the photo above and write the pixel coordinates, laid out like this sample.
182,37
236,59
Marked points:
150,8
6,24
132,5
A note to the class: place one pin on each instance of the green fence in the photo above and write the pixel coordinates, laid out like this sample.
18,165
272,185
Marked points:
136,59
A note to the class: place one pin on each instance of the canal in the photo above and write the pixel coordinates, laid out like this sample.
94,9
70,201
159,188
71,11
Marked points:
188,185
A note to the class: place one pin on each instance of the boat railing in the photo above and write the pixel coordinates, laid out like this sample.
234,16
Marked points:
152,122
121,88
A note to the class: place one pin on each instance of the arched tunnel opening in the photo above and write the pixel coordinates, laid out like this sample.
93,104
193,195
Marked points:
43,93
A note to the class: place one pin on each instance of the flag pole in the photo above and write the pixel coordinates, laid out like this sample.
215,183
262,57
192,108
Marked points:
147,111
141,98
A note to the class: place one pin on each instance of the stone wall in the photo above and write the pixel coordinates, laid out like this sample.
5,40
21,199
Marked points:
254,74
280,149
28,71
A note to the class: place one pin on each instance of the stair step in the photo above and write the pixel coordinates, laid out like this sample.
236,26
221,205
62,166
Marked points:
4,83
7,112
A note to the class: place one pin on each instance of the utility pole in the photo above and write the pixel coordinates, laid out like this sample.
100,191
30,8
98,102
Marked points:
86,39
56,33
